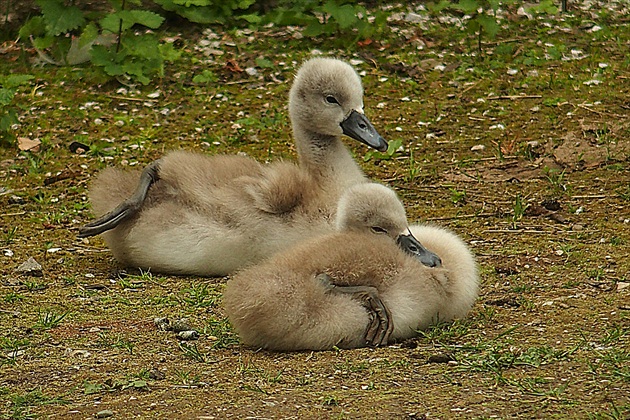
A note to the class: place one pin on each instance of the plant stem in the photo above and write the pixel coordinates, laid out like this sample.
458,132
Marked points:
479,41
120,25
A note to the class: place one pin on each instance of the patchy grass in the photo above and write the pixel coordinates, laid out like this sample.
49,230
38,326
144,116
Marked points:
523,150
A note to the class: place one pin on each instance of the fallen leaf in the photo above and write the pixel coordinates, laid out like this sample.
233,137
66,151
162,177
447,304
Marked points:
233,66
26,144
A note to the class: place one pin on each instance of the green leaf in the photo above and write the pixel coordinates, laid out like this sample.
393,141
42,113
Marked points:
59,18
251,18
244,4
89,34
345,15
206,76
489,25
35,26
15,80
169,52
102,57
203,15
188,3
129,18
467,6
264,63
8,119
473,26
6,96
44,42
148,19
314,29
494,4
90,388
441,5
136,71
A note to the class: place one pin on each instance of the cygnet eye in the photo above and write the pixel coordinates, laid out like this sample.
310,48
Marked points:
378,229
331,100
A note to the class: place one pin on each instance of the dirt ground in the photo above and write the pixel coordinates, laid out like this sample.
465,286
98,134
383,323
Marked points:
517,151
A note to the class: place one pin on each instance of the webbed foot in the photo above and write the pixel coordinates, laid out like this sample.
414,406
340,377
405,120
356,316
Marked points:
381,326
127,208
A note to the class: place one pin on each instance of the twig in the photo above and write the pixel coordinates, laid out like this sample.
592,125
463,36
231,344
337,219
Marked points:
518,231
505,41
19,213
4,311
468,88
513,97
483,159
589,196
124,98
237,82
551,232
463,216
583,106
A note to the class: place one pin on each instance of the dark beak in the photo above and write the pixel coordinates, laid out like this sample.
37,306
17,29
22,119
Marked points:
357,126
413,247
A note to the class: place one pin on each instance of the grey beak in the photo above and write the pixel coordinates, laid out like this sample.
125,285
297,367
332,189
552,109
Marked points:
413,247
357,126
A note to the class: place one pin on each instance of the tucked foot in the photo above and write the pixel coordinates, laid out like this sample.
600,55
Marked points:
127,208
381,326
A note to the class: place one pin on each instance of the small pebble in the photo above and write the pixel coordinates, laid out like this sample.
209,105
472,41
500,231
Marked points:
104,414
180,325
577,227
440,358
188,335
156,375
162,323
16,199
477,148
30,267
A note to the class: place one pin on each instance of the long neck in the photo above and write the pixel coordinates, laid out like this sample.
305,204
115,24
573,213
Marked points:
328,159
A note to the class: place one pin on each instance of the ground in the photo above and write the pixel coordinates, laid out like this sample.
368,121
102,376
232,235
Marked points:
522,149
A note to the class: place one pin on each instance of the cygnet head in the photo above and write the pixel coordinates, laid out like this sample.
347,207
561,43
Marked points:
370,207
327,99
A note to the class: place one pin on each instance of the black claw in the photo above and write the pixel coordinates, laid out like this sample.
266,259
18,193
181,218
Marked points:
127,208
380,326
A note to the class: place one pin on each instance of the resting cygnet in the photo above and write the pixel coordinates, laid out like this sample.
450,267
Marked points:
354,288
211,215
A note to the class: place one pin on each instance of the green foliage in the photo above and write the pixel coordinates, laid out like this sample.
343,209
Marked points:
544,7
211,11
9,86
59,18
49,319
341,18
481,14
206,76
392,149
20,404
519,210
63,35
480,20
457,196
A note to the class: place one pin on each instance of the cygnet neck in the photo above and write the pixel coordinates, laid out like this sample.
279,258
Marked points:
325,156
